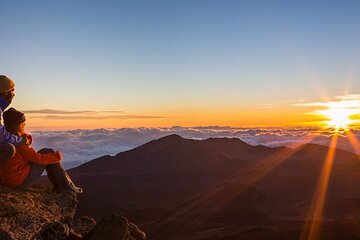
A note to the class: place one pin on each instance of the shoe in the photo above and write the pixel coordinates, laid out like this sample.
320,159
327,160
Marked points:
77,190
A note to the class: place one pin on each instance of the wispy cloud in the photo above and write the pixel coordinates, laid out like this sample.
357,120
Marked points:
83,115
56,111
355,97
347,101
77,117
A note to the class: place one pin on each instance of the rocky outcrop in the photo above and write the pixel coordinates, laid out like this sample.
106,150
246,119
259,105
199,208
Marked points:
115,227
39,213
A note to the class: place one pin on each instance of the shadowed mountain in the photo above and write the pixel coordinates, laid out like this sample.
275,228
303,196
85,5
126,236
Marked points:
185,188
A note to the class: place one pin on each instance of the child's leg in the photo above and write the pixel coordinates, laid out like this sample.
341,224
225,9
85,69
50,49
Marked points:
57,175
60,178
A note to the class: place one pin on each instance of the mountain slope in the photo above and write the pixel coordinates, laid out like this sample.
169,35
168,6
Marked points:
217,181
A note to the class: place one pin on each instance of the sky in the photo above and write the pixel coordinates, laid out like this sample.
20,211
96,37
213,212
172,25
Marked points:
129,64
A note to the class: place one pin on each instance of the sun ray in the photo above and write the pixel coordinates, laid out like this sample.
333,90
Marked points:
250,176
355,143
313,81
315,214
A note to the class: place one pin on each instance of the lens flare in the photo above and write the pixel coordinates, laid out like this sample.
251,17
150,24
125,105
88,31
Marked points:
338,114
339,118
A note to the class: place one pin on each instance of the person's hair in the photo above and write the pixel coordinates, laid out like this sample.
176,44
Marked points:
13,128
13,120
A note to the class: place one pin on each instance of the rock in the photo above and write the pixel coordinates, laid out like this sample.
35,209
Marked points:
135,232
82,225
37,213
53,230
115,227
40,214
74,235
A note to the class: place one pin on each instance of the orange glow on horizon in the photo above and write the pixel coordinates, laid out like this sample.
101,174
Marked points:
245,117
343,112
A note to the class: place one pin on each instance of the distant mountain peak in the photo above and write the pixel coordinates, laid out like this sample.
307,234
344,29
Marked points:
227,140
172,136
234,139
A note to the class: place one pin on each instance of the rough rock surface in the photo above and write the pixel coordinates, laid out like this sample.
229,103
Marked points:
81,225
37,213
115,227
40,214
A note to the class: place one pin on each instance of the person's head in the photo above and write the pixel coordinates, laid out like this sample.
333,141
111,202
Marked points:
7,88
14,121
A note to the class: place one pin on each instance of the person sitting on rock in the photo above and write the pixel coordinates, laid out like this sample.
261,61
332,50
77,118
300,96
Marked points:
8,140
27,165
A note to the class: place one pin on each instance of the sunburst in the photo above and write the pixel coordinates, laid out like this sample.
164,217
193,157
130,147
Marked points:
338,114
338,118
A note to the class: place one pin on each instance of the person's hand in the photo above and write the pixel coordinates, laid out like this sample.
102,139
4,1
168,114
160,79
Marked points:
59,154
29,138
26,139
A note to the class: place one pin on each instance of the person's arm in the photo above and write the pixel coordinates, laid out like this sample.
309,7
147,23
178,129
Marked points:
30,154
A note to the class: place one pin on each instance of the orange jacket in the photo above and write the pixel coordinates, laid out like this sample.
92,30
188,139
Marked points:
14,171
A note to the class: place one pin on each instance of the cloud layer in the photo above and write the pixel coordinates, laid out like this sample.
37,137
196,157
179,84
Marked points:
80,146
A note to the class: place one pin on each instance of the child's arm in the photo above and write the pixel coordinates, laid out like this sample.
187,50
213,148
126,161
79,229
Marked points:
30,154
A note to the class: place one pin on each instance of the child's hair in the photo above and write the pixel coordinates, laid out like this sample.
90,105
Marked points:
13,119
13,128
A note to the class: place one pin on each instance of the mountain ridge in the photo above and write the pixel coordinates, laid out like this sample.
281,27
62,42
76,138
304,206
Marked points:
174,175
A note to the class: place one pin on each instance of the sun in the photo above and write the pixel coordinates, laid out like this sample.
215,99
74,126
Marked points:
340,114
338,118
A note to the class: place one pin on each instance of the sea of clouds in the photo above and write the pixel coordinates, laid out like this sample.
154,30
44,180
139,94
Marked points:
80,146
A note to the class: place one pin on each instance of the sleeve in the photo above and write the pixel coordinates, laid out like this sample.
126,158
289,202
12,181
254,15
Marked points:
5,136
30,154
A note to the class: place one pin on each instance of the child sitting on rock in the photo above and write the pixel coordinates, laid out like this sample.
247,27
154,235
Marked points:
27,165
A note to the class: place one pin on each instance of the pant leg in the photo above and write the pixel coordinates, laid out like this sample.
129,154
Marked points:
35,172
59,177
57,174
50,176
7,151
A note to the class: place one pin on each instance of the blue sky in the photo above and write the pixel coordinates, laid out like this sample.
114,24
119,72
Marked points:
178,58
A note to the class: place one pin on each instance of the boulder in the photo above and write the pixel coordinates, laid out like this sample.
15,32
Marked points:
115,227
